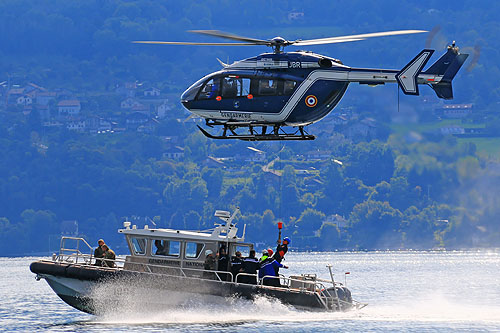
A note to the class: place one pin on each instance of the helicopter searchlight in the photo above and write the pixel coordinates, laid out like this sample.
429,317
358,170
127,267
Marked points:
256,98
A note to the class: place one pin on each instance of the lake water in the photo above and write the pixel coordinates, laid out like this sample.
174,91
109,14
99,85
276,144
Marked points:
406,291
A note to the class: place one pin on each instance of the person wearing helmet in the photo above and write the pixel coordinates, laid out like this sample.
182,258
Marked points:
267,271
209,265
265,255
281,249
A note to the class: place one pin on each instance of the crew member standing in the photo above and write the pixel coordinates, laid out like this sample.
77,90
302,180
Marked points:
222,263
99,253
236,265
250,266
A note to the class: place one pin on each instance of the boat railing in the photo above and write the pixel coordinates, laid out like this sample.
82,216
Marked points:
73,252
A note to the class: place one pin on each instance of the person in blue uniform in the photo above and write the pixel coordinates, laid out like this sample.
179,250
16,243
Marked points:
268,268
250,266
236,265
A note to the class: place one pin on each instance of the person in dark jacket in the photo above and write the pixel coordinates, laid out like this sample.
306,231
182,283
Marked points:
236,265
268,268
281,250
250,266
222,264
99,253
109,257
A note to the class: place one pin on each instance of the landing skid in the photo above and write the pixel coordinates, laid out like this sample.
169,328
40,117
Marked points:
278,134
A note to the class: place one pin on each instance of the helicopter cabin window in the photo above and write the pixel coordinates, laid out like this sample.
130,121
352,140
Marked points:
138,245
166,248
268,87
288,87
210,90
193,250
235,86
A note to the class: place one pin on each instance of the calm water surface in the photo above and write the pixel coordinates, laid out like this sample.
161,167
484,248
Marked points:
406,291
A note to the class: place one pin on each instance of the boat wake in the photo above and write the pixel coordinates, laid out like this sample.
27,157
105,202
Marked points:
236,311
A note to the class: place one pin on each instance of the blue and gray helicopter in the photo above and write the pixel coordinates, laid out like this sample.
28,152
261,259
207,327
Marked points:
255,99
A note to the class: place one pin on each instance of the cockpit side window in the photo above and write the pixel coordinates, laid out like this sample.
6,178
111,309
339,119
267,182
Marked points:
268,87
166,248
138,245
193,250
288,87
210,90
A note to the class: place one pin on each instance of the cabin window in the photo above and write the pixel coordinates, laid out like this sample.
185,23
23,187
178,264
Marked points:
166,248
244,249
268,87
289,86
139,245
193,250
210,90
235,86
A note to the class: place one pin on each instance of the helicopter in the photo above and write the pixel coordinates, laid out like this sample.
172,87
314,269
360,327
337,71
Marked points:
255,98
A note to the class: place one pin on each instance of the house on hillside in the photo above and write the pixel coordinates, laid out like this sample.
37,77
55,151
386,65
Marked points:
162,109
69,107
136,119
152,92
24,100
361,129
127,89
455,111
149,126
129,103
69,228
174,153
77,125
452,129
44,97
13,94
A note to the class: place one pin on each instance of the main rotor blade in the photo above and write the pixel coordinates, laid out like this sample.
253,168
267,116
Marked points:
351,38
191,43
227,35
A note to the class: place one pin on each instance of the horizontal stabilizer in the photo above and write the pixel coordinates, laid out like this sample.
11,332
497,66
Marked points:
407,77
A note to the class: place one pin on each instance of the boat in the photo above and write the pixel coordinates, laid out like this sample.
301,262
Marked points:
168,265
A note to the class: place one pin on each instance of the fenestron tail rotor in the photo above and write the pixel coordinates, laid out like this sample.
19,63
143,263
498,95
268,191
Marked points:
278,43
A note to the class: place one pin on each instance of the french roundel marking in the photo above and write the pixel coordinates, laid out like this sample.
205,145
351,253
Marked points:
311,101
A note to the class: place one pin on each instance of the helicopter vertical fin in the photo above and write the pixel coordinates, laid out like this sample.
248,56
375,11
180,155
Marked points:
447,66
407,77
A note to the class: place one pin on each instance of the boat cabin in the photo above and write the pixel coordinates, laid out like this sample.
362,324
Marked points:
170,250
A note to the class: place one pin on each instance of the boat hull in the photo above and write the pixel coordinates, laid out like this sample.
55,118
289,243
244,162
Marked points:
94,289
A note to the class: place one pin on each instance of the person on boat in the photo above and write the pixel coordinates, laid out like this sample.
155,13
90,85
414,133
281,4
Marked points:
250,266
265,255
267,271
281,249
159,247
236,265
109,257
209,265
99,253
222,264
